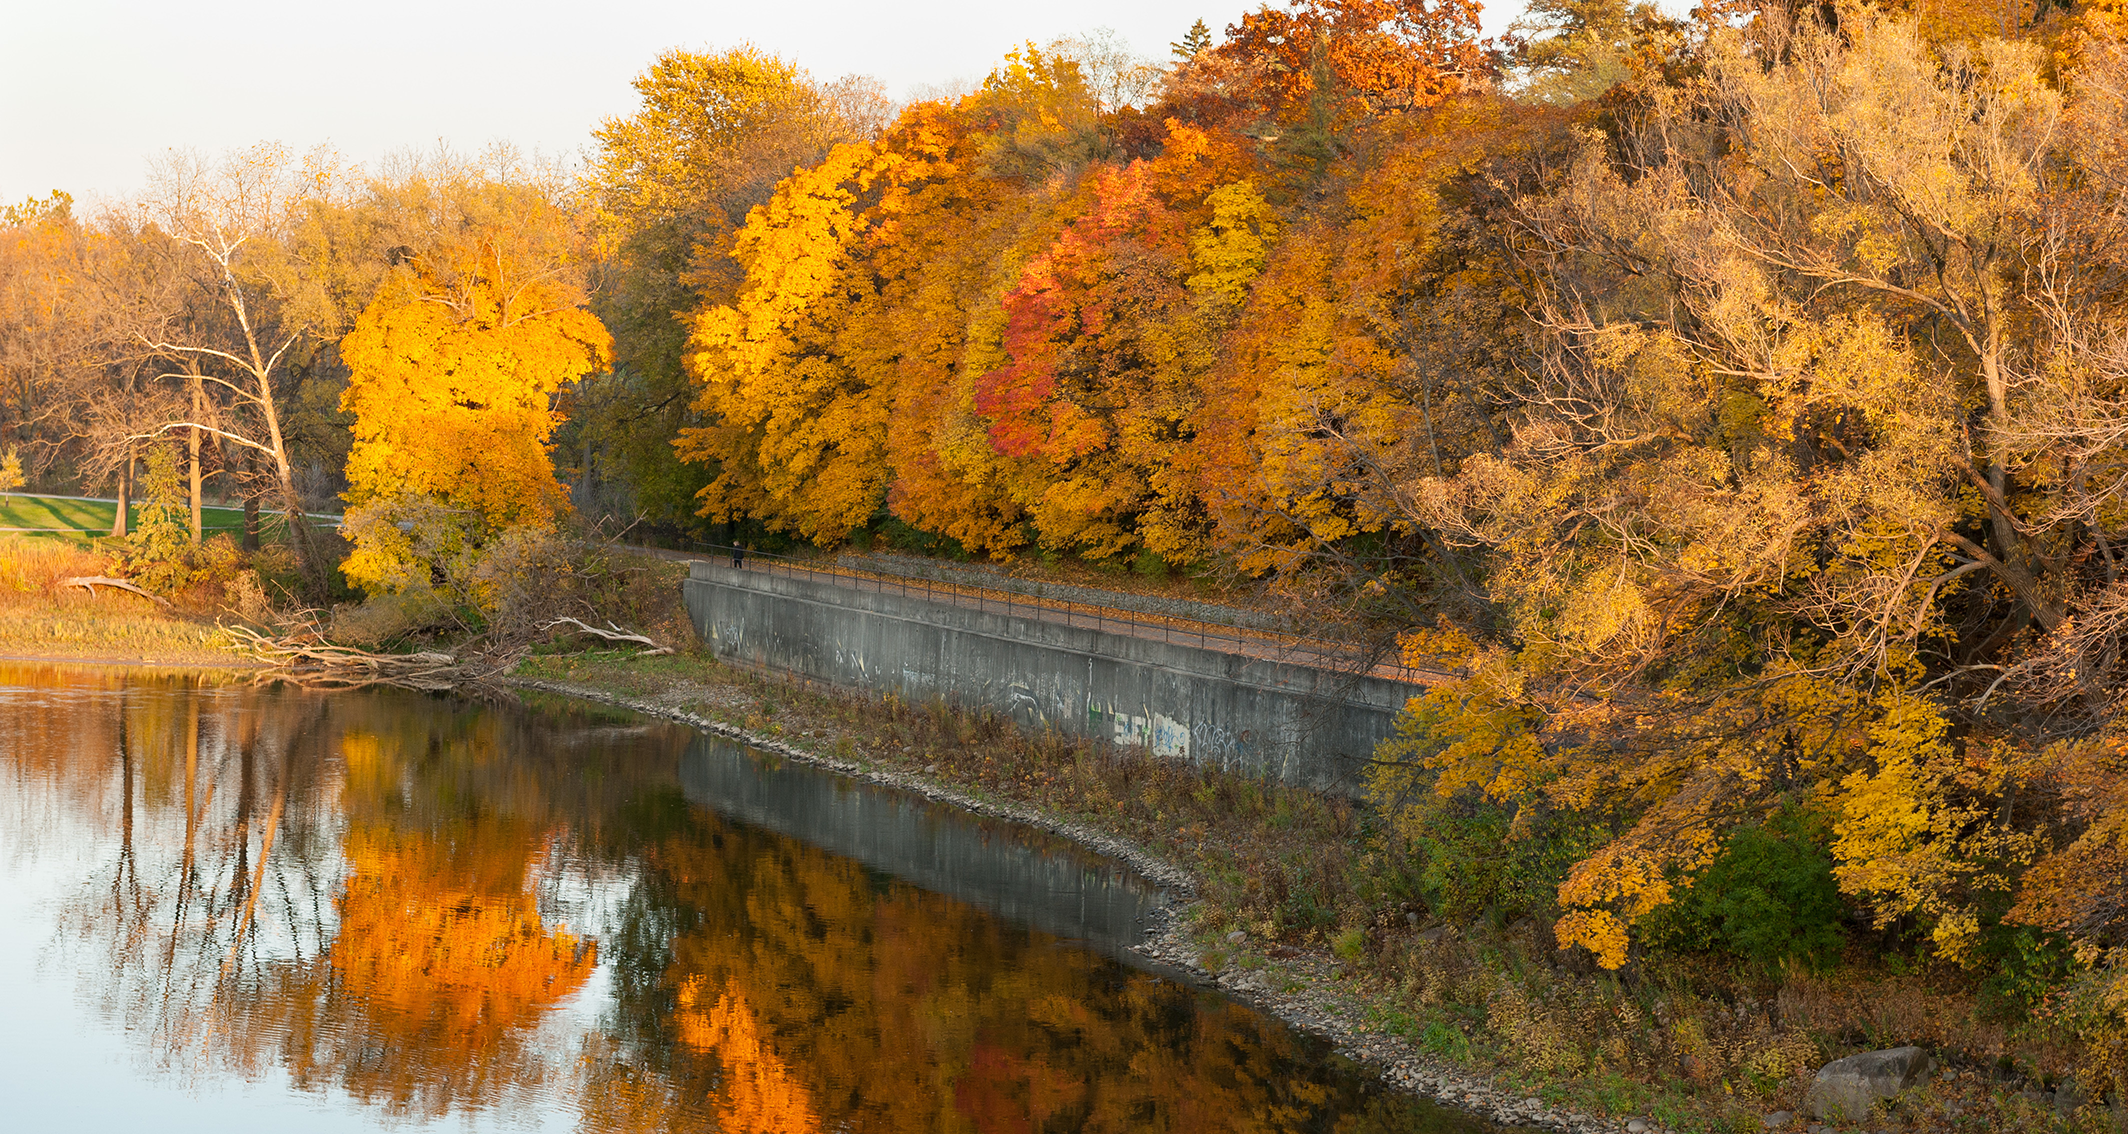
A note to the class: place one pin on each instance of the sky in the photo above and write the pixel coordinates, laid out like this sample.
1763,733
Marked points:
92,90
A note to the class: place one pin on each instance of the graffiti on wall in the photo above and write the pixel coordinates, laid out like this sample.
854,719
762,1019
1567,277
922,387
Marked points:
1161,733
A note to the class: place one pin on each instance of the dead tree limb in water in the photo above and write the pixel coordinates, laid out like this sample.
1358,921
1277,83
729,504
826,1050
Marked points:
318,664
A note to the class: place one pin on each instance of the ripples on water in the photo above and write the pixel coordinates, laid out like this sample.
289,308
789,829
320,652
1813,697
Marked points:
230,907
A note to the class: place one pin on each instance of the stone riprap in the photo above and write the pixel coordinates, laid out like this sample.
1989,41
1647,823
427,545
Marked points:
1295,724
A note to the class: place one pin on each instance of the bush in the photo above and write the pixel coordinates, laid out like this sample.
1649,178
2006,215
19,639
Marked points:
386,619
1471,858
1768,899
2026,966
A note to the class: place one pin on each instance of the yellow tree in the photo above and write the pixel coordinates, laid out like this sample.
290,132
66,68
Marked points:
1810,460
453,371
669,188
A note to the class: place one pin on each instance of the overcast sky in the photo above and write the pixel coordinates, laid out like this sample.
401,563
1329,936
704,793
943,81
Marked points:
91,90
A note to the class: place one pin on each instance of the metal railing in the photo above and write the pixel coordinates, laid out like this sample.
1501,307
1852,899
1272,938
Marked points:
1315,653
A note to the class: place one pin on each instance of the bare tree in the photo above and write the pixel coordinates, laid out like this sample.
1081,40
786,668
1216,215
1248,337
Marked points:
247,312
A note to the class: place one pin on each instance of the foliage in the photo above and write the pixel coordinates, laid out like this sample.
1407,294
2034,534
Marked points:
1768,898
454,368
669,188
1772,497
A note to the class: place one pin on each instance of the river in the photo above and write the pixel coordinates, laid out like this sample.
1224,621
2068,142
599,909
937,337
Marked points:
228,906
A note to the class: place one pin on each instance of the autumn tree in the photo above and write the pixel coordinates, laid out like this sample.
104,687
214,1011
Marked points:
454,368
1363,56
41,336
670,187
1804,472
250,312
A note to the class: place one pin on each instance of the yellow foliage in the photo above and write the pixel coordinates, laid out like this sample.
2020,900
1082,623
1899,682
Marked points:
1229,250
797,438
453,371
1915,834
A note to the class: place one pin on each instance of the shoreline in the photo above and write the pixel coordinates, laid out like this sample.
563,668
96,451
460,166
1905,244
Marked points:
1297,985
1299,989
232,665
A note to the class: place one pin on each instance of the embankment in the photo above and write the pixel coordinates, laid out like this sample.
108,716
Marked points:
1295,724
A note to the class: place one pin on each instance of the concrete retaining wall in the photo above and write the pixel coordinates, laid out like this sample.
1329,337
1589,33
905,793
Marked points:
996,865
1291,723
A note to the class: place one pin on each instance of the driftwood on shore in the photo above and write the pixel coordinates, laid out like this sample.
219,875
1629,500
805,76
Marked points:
613,633
318,664
305,658
89,583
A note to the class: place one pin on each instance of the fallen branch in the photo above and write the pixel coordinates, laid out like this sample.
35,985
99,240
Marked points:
318,664
613,634
89,583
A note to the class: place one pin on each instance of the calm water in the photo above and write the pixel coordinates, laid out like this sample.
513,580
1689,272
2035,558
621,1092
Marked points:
230,908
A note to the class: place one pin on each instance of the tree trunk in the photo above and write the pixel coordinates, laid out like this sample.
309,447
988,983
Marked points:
125,491
192,445
251,507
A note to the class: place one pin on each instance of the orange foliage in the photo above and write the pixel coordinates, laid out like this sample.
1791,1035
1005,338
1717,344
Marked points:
1104,356
446,941
1382,54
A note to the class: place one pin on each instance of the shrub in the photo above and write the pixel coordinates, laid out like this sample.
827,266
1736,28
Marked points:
384,619
1470,856
159,553
1769,898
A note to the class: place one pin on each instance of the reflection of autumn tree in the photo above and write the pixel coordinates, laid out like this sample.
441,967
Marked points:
385,938
813,985
440,971
759,1091
429,997
211,800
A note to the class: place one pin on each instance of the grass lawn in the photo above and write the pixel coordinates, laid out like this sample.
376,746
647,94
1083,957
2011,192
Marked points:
85,518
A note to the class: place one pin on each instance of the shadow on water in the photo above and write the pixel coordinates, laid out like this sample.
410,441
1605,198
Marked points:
240,907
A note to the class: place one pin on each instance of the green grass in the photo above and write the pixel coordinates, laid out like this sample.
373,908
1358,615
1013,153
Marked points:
85,518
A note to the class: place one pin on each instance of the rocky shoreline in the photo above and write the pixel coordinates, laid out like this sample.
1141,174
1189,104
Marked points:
1300,989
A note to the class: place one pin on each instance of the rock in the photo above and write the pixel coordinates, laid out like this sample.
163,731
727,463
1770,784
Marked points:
930,769
1637,1126
1845,1089
1777,1119
1533,1103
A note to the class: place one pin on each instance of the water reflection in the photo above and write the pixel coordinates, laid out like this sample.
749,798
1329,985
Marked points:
395,909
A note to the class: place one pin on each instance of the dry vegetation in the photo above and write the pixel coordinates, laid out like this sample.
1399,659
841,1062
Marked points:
40,619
